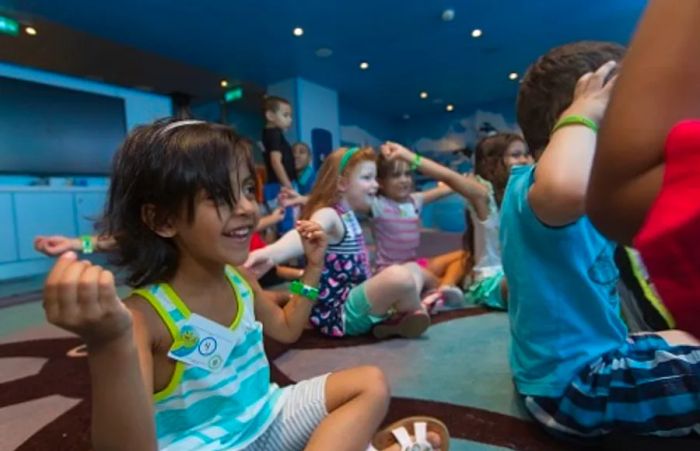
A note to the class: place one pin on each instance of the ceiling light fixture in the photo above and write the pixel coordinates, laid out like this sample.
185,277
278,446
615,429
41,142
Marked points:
423,95
298,31
450,107
224,83
513,75
476,33
31,31
364,65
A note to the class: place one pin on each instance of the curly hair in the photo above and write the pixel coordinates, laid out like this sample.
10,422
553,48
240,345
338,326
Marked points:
548,86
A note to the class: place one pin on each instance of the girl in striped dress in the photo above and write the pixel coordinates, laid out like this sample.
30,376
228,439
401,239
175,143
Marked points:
351,301
180,364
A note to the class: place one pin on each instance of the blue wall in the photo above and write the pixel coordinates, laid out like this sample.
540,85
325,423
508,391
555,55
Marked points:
318,108
365,128
246,123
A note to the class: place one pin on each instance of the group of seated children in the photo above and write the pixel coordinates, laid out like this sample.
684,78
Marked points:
179,364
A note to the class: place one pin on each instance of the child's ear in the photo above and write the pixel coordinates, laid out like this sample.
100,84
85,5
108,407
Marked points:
164,229
270,116
343,184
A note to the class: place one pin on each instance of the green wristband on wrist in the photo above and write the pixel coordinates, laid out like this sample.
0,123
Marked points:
87,244
576,120
415,164
300,288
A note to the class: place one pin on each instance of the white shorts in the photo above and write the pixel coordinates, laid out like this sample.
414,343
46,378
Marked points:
303,410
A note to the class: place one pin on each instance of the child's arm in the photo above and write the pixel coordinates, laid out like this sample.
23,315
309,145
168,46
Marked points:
558,193
475,192
658,87
278,167
290,245
286,324
433,194
273,218
82,299
290,198
58,244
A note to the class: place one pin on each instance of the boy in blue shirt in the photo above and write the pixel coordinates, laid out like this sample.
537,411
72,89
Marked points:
580,373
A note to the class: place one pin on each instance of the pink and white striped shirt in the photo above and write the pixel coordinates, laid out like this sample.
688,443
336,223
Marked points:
396,229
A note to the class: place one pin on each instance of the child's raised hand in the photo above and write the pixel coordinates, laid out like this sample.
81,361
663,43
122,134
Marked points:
592,93
394,151
258,263
291,198
82,298
314,240
55,245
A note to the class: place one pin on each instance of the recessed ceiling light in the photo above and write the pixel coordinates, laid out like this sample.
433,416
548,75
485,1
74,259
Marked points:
513,75
324,52
423,95
476,33
449,107
364,65
224,83
31,31
298,31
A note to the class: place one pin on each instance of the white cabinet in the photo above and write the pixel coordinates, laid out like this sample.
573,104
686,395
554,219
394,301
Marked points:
42,214
8,237
26,212
88,208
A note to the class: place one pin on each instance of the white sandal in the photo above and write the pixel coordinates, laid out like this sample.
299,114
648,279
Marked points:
397,433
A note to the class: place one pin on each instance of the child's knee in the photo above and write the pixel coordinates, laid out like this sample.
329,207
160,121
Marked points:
399,278
375,383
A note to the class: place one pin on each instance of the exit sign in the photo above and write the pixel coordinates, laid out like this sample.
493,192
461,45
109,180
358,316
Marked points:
233,94
9,26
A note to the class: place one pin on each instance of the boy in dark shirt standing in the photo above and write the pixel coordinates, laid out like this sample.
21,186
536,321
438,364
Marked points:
279,160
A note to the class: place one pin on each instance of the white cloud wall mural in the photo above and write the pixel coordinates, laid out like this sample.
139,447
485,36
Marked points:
464,132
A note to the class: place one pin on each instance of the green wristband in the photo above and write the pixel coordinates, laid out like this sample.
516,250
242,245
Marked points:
300,288
87,244
415,164
576,120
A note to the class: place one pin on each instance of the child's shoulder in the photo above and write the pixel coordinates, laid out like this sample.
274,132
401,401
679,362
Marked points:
147,320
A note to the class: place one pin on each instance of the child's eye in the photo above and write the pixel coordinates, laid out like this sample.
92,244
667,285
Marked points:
249,190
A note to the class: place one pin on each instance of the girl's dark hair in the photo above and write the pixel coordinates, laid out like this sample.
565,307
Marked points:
489,165
164,167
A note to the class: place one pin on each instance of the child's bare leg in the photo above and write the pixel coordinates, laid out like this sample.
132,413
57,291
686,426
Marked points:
454,273
393,287
678,338
357,401
438,265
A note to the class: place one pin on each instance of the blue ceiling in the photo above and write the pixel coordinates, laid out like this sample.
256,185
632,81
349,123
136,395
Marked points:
407,45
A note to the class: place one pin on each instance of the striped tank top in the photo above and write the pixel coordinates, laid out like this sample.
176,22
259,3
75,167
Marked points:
204,410
396,228
346,266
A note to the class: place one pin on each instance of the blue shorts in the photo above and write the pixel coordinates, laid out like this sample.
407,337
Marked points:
646,387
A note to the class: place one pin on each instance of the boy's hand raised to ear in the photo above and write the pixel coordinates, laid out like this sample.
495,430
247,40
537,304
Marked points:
592,93
82,298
